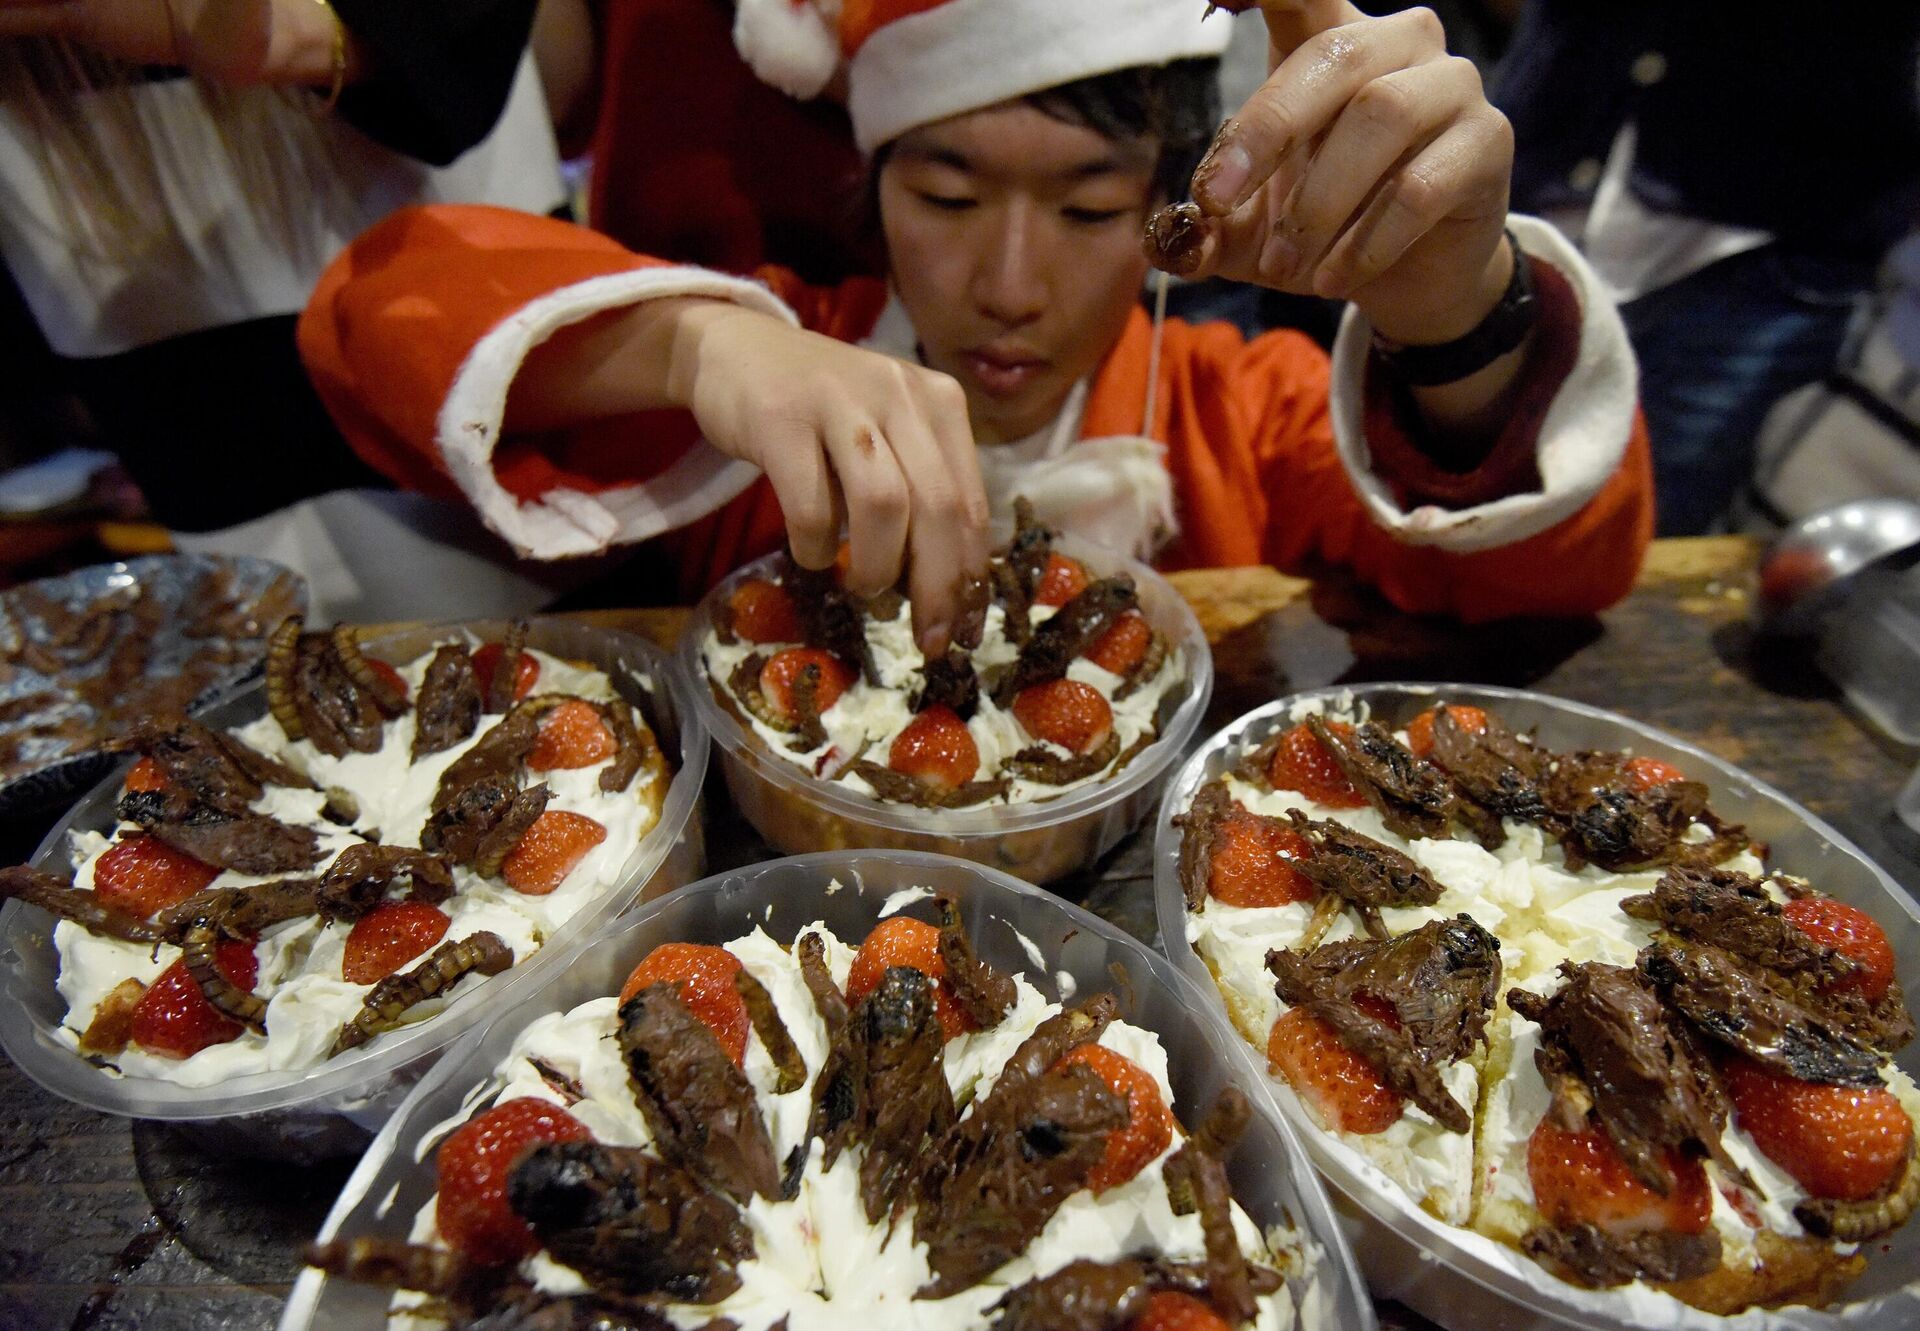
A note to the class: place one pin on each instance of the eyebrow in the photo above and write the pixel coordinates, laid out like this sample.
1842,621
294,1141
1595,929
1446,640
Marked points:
941,155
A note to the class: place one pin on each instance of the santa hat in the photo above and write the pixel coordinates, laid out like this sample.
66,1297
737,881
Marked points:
912,62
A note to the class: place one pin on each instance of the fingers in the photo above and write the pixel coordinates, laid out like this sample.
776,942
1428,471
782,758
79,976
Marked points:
877,498
1461,173
948,536
1303,97
797,468
1291,22
1388,121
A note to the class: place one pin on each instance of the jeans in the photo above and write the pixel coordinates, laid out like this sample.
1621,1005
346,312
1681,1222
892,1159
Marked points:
1717,349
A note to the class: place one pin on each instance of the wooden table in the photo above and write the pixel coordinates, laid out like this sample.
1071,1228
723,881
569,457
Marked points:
117,1225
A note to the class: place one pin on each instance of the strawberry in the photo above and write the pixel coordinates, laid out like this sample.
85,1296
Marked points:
486,664
1342,1085
146,775
391,676
388,937
175,1020
551,849
1420,730
1061,581
764,612
936,749
906,942
1123,646
572,735
1251,865
1581,1178
1852,933
782,672
141,874
472,1168
1170,1310
1300,762
1066,712
1149,1126
704,976
1846,1142
1643,774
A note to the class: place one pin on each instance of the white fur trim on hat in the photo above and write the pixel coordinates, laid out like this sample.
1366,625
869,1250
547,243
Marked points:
968,54
792,44
1582,438
562,523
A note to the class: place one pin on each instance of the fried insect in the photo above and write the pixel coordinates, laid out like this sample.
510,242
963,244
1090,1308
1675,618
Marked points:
391,1264
484,953
1067,634
772,1032
59,897
636,750
908,1106
282,651
387,699
1414,798
949,681
220,770
1588,1255
450,704
1197,1175
242,840
1146,668
1600,816
831,617
983,993
1039,763
1080,1296
700,1106
479,813
744,686
1495,769
630,1222
1856,1222
506,676
199,949
309,683
241,910
1364,873
840,1091
1017,571
359,876
899,788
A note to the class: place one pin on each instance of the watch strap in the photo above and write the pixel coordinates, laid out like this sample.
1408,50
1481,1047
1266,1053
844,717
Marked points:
1505,327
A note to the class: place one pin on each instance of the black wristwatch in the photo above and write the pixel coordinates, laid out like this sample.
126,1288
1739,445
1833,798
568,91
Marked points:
1505,327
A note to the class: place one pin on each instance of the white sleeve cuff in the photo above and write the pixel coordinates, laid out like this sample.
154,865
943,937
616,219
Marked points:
1582,438
565,522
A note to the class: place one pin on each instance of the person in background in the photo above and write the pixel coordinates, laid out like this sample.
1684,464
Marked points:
1472,448
1735,173
174,174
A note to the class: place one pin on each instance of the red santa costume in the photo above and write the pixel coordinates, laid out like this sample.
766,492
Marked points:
1191,443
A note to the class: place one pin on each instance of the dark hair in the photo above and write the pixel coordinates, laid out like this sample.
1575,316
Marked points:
1177,103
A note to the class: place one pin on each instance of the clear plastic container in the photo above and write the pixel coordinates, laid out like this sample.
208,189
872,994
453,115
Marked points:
1870,646
1462,1279
1040,841
332,1108
1271,1178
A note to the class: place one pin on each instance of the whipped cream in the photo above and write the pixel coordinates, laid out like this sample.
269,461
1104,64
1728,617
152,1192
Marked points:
817,1260
867,718
300,960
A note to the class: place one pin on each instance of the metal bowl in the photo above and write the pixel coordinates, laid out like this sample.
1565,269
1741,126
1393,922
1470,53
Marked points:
1807,570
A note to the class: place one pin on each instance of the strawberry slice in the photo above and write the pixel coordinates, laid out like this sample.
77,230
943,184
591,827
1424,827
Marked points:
1253,861
472,1169
764,612
552,848
388,937
1852,933
572,735
782,672
1065,712
1846,1142
390,676
704,976
146,775
1149,1127
1581,1178
1338,1082
486,664
936,749
1170,1310
175,1020
1300,762
141,875
1643,774
1061,581
1124,645
1469,718
901,941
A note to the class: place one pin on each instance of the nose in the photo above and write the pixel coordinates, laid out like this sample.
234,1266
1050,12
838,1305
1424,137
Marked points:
1009,285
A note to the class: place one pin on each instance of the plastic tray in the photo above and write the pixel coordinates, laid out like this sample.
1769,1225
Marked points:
1271,1178
1039,841
1463,1280
331,1108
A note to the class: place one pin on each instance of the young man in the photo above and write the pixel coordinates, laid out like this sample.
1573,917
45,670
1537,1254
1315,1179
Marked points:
1473,447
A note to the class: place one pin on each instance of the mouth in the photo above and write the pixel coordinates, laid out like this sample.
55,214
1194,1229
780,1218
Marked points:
1002,372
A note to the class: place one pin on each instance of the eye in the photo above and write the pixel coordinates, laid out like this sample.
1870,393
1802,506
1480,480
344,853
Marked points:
946,203
1092,216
